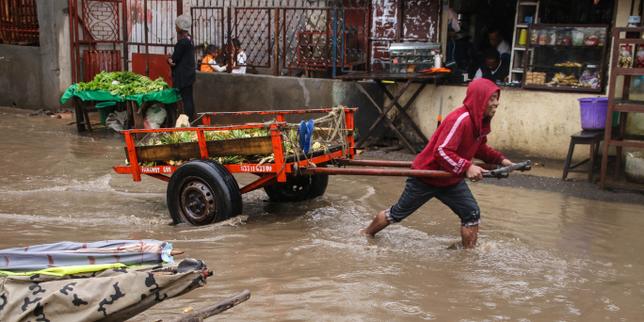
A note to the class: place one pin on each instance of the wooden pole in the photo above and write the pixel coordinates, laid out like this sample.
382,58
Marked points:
217,308
276,50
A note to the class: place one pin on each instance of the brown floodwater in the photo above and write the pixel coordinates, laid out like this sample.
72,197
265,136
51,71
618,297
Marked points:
542,256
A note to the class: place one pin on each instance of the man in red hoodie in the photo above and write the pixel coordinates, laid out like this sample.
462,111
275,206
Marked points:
459,138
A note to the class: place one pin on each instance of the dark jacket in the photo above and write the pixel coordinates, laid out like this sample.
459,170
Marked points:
184,70
501,72
460,137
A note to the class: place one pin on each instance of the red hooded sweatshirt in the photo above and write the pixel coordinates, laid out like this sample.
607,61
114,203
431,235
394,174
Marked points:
460,137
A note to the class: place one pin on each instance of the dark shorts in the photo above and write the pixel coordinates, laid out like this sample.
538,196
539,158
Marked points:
458,197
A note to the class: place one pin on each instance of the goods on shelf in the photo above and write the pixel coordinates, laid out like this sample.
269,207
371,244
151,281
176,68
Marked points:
410,57
625,56
563,79
569,64
536,78
567,57
638,62
590,77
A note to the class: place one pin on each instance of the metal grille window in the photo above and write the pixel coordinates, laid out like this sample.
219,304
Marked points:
19,22
279,36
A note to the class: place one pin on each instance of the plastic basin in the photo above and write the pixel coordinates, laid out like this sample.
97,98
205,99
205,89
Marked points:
593,112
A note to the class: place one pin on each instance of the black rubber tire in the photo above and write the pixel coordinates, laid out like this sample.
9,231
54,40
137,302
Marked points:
201,192
233,187
298,188
318,189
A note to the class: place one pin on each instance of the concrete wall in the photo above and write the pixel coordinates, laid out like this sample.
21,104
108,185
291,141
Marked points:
20,75
235,92
53,20
533,123
35,77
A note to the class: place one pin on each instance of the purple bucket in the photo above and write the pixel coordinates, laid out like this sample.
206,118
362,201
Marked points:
593,112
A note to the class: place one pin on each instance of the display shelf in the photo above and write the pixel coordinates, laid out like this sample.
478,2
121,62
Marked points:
569,44
562,88
630,41
527,12
628,71
627,143
621,103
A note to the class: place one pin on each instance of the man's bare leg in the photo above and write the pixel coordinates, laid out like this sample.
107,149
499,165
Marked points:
377,224
469,236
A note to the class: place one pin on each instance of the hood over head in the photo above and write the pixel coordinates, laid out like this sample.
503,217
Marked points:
478,94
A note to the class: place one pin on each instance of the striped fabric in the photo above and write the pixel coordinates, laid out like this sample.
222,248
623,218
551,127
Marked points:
62,254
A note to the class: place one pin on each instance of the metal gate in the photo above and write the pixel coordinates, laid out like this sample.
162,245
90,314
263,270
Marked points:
280,36
96,37
19,22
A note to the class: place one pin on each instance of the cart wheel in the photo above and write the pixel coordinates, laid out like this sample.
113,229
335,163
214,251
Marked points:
298,188
202,192
233,187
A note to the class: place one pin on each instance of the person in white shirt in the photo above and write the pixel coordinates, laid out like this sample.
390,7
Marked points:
496,41
240,60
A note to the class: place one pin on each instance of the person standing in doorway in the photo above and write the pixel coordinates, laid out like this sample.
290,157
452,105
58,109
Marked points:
496,41
183,64
459,138
240,58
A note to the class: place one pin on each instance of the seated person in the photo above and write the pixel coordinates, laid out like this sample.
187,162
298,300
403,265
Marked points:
209,63
495,67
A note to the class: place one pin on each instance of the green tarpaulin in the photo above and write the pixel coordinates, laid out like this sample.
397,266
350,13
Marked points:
166,96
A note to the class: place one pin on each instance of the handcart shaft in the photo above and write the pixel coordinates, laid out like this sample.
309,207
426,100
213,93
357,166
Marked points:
378,172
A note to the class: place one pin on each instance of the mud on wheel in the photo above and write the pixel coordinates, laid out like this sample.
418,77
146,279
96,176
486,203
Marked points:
298,188
202,192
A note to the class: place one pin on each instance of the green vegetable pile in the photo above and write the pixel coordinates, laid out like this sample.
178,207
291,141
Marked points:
123,84
190,136
290,141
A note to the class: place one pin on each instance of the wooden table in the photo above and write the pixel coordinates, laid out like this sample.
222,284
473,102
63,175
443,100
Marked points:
135,113
383,79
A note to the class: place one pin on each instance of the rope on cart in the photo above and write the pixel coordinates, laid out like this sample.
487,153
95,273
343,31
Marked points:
334,132
337,133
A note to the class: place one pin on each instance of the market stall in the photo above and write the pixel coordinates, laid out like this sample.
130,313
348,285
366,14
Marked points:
418,140
566,57
129,96
409,62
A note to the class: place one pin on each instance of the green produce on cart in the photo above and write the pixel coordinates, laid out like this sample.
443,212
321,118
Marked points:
120,87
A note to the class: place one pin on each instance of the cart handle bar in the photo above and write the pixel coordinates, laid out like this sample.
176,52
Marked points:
499,173
504,172
395,164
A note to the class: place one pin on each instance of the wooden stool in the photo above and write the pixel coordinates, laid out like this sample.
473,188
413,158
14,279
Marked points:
590,137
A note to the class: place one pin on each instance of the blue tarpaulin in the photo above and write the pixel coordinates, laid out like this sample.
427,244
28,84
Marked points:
62,254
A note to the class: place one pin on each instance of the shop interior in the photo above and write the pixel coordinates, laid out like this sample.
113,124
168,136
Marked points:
541,44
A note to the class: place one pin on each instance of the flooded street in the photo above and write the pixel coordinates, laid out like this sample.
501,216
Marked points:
542,256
